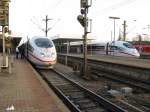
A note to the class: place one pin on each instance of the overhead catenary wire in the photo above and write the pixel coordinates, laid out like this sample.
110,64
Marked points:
58,3
37,23
54,7
113,7
54,24
40,27
43,29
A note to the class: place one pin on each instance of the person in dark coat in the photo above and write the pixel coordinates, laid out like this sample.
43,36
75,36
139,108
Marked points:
17,52
22,51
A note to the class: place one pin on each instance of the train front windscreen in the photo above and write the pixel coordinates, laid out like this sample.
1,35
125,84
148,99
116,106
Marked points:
43,42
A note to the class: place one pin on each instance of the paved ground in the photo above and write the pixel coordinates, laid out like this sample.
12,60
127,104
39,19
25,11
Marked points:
22,91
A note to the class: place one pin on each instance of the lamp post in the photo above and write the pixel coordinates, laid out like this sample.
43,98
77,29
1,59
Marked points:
114,23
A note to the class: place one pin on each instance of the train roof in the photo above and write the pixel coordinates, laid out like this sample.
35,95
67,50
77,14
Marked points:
35,37
98,43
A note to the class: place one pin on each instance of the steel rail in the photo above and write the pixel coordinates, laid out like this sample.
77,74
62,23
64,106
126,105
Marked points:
107,105
114,67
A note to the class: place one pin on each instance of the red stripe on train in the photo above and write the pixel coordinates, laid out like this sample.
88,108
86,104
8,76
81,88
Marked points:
41,60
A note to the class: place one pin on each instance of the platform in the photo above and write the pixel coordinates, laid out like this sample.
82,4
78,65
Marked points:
136,62
24,91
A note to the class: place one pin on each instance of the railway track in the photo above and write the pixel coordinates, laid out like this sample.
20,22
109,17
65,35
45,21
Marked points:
75,96
117,77
123,99
135,76
132,77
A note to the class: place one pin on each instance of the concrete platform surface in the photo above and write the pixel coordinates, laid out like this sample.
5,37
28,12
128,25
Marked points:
22,91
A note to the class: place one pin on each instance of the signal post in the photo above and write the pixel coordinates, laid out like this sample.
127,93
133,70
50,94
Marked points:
5,34
84,21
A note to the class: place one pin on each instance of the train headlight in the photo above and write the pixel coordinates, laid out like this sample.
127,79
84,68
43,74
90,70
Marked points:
42,54
53,54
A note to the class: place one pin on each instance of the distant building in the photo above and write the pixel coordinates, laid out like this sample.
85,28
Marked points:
146,37
137,38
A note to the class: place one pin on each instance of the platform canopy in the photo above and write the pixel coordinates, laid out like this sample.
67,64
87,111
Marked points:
62,39
16,41
4,12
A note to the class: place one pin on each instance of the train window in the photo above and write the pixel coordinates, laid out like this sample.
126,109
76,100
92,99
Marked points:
43,42
128,45
121,48
113,47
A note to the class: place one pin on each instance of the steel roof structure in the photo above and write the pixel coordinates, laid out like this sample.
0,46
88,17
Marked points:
4,12
63,39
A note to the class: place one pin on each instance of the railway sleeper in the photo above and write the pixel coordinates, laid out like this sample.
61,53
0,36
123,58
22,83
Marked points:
96,110
77,96
82,101
58,82
90,105
67,86
73,93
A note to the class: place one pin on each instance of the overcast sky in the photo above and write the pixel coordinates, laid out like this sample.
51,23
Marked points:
26,17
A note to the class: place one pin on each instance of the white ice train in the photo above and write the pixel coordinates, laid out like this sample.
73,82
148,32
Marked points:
40,51
116,48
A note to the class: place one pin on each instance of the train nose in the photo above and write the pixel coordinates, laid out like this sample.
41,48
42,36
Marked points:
136,53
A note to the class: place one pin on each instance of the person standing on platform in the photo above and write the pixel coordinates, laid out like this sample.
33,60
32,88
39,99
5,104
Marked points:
22,53
21,49
17,52
107,45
